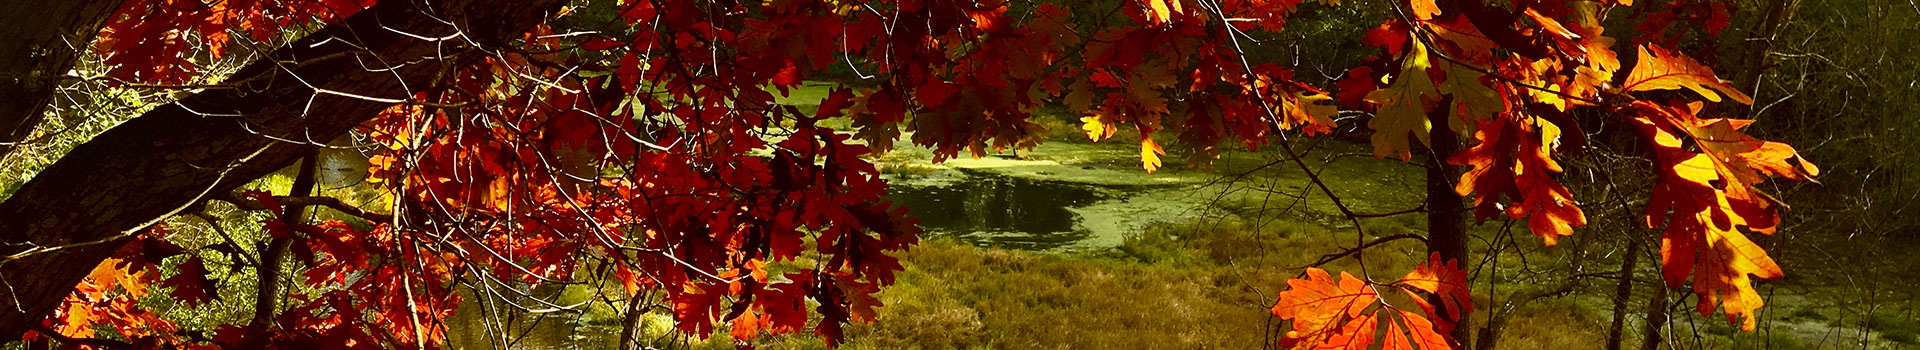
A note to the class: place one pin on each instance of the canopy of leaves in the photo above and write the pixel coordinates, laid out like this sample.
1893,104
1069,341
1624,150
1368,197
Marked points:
649,146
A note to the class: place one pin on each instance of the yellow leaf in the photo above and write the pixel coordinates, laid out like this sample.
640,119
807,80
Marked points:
1150,154
1096,129
1403,106
1163,10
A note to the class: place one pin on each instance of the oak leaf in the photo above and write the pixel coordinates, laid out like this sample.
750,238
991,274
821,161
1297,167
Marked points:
1163,10
1317,304
1512,157
1660,69
1445,280
1303,109
1150,153
1350,315
1403,106
191,285
1711,198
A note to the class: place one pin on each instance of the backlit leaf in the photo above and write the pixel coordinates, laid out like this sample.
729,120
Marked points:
1708,198
1660,69
1402,106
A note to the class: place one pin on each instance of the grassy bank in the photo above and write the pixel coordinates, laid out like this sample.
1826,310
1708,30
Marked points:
1200,285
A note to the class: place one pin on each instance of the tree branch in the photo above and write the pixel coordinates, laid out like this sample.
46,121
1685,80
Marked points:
1324,259
64,339
250,204
174,156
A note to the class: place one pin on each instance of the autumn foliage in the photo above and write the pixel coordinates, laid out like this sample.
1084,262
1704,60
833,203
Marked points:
650,150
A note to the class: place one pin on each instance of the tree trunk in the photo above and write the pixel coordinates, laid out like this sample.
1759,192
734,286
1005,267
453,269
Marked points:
266,297
1656,317
1446,214
1759,43
66,220
1497,321
1622,293
630,324
42,38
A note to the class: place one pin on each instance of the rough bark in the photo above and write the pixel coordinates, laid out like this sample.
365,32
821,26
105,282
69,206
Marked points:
42,38
1446,214
83,207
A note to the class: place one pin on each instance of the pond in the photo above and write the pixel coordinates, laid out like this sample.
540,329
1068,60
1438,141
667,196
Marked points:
1001,211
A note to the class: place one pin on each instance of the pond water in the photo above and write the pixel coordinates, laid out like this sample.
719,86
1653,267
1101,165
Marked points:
1001,211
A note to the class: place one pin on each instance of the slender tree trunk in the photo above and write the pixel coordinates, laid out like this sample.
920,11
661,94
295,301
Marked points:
1759,43
1622,293
39,41
267,296
1656,317
71,216
1446,214
630,324
1503,312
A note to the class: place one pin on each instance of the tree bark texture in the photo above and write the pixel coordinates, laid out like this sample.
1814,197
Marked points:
1446,214
39,41
75,213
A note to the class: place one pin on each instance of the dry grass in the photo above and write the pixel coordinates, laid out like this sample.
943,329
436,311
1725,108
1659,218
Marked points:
1192,286
1203,285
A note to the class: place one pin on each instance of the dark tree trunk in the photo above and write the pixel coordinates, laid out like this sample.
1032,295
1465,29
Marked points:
1622,293
1753,61
1446,214
83,207
39,41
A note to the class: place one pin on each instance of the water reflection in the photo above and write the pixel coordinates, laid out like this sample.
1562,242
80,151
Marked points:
1000,211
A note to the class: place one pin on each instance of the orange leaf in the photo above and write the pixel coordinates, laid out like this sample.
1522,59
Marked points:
747,325
1711,197
1316,304
1445,280
1303,109
1326,315
1660,69
1415,331
1425,9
